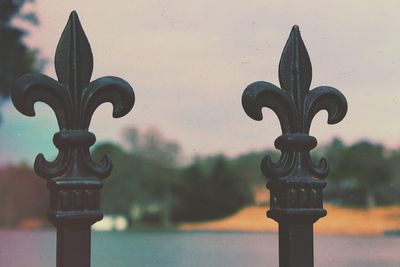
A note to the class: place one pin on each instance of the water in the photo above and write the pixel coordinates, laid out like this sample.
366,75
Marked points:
185,249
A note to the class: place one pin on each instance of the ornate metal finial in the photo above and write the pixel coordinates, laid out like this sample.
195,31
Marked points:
73,176
293,186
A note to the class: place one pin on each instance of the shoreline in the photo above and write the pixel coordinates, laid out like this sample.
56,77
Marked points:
339,221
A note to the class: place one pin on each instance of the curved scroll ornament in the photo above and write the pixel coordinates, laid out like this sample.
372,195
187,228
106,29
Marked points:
295,105
74,99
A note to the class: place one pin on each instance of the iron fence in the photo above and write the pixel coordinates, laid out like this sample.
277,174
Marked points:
296,182
75,180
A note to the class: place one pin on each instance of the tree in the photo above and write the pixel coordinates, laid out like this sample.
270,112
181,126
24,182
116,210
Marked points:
365,169
334,152
152,145
116,195
139,187
389,193
231,191
193,195
248,166
16,58
204,196
338,189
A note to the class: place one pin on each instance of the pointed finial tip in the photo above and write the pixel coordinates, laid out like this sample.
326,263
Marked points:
295,29
295,32
73,15
73,20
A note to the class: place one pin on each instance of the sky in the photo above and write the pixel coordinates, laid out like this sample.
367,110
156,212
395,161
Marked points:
189,62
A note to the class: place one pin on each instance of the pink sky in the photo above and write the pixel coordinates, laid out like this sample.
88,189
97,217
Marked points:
189,62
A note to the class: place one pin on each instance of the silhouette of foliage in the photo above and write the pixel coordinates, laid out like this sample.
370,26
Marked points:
16,58
150,190
363,174
204,197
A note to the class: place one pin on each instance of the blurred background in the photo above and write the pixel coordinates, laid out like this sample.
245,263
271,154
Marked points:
186,159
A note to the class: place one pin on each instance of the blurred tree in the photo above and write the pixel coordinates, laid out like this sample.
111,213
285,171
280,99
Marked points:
204,196
389,194
231,191
152,145
364,168
334,152
117,192
16,58
248,166
339,189
193,195
139,187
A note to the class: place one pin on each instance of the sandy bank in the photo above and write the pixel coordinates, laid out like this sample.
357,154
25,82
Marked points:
338,221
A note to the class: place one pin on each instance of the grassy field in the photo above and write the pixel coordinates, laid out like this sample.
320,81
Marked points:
338,221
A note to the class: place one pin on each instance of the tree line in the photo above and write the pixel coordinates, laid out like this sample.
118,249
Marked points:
150,187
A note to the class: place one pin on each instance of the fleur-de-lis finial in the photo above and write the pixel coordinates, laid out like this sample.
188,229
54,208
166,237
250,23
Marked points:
293,176
74,99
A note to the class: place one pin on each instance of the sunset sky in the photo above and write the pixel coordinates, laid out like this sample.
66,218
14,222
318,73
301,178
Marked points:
189,62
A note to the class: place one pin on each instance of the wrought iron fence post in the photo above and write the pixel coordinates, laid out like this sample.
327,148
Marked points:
73,178
295,181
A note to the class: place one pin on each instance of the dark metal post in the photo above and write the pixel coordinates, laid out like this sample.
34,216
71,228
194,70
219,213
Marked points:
73,178
295,181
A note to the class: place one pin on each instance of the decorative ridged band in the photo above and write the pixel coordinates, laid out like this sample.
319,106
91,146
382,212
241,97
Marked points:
73,138
295,142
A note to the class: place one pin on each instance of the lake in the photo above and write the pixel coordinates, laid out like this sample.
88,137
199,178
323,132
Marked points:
184,249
